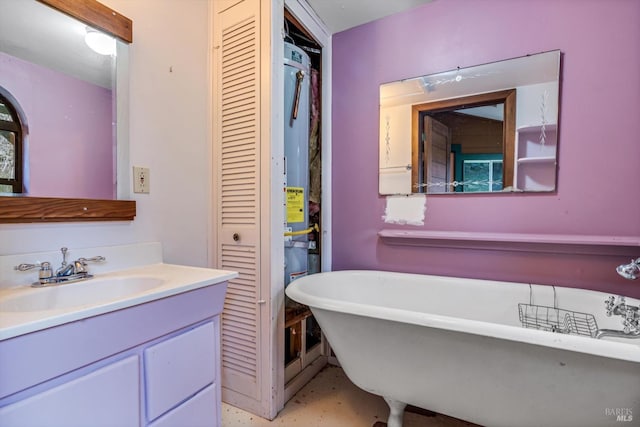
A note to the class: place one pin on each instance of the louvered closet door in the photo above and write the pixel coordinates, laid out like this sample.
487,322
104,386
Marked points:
237,130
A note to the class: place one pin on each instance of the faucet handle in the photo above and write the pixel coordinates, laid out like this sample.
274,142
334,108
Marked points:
25,267
629,322
609,305
81,263
45,268
98,258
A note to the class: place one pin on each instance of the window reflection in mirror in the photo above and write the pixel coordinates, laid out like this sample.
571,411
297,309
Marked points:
430,129
10,147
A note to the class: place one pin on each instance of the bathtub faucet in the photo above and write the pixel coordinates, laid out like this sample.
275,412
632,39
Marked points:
630,271
630,318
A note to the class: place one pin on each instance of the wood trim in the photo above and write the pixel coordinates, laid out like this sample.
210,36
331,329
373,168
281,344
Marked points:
415,151
509,142
48,209
466,101
508,97
18,209
300,27
97,15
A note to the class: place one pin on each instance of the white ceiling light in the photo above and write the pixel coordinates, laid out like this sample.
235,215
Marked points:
100,42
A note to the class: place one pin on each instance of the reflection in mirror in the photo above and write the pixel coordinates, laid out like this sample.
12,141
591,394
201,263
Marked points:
11,142
488,128
55,58
63,93
464,144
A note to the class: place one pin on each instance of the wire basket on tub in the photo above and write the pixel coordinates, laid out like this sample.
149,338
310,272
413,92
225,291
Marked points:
554,319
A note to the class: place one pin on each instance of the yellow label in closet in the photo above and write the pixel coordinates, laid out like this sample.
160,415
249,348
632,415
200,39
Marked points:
295,204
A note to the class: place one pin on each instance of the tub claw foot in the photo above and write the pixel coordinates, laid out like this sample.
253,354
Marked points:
396,411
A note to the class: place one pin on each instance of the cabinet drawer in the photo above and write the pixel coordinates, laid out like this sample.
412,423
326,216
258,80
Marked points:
106,397
199,411
179,367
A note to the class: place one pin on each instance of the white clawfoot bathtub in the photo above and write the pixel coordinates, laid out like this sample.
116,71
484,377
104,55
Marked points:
457,347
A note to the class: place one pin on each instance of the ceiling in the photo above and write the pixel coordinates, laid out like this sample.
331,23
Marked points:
36,33
340,15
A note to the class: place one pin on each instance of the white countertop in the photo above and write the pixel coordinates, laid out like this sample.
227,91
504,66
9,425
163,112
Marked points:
175,279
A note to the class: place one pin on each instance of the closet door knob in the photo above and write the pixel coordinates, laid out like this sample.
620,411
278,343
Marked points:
236,237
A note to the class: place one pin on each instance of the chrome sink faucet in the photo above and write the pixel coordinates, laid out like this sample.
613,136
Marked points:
630,318
66,273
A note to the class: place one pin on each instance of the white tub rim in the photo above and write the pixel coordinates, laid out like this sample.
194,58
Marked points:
597,347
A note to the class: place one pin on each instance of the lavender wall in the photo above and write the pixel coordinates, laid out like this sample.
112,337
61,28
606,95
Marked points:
599,151
70,140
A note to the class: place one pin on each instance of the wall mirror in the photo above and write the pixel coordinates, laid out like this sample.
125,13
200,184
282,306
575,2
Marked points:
71,101
487,128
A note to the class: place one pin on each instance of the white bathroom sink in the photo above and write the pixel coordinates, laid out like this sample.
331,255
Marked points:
70,295
24,309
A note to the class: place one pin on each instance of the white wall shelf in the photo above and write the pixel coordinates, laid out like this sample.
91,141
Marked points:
547,243
549,127
537,160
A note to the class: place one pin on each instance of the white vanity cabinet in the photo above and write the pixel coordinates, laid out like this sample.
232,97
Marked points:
155,364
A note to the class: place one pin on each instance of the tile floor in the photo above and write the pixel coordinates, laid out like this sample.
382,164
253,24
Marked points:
331,400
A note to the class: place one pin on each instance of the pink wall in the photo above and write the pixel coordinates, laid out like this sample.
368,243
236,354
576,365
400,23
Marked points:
70,140
599,151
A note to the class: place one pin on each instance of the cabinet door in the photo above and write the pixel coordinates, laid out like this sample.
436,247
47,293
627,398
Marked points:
199,411
179,367
107,397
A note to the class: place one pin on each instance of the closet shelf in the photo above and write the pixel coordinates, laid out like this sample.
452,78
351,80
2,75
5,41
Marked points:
547,243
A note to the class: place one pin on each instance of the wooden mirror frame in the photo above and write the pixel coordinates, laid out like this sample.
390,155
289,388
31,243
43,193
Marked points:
17,209
506,97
